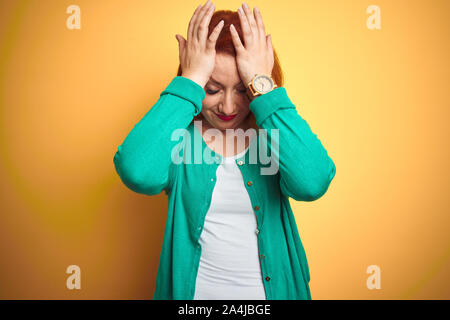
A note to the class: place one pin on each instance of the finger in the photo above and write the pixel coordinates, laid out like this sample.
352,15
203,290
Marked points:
259,22
204,24
269,43
201,15
194,20
236,40
181,44
251,19
247,33
211,43
190,31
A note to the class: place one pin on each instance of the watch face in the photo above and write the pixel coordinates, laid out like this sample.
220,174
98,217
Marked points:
263,84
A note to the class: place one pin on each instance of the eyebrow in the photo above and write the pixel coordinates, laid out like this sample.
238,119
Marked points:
221,85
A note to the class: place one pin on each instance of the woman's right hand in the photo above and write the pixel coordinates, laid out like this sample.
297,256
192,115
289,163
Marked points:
198,52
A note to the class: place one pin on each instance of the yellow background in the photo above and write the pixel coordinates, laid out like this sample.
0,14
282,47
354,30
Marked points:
377,99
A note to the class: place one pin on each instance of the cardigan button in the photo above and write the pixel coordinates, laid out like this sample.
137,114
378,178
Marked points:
262,256
257,231
240,162
267,278
256,208
249,183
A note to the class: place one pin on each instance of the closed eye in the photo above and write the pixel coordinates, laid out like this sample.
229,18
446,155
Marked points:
209,91
212,92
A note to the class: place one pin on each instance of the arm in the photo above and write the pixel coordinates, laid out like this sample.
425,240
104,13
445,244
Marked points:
143,161
305,168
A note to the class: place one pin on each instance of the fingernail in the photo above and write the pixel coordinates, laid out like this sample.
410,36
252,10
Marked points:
245,5
240,10
256,9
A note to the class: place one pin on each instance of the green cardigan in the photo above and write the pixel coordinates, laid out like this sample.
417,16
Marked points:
144,162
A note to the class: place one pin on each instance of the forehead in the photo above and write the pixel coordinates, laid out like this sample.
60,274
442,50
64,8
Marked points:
225,70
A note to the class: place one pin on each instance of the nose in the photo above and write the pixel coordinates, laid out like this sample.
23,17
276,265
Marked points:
227,106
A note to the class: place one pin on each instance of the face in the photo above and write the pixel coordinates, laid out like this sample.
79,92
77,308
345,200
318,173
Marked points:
226,105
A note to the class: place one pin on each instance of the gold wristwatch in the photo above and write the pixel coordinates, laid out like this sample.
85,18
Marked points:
260,84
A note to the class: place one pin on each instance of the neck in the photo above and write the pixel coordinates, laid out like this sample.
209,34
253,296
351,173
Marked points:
227,149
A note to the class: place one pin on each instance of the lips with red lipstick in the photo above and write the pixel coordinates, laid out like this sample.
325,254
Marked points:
225,118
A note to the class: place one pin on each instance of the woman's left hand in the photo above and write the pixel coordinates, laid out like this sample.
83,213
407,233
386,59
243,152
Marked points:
256,57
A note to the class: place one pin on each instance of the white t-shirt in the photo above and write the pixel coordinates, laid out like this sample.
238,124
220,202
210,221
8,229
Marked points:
229,264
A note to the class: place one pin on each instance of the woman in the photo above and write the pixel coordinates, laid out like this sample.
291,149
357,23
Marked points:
230,231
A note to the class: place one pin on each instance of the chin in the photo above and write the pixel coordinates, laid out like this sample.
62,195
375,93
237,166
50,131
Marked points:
222,125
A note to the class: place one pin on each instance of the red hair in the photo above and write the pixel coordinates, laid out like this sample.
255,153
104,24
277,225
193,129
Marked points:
225,45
